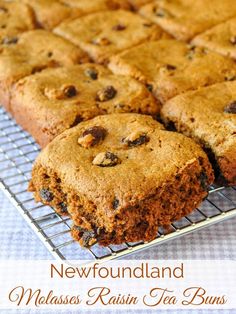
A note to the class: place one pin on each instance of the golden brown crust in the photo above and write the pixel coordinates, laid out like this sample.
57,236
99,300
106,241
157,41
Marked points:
146,178
106,33
221,38
137,4
33,51
97,5
48,103
207,115
171,67
15,18
50,13
184,19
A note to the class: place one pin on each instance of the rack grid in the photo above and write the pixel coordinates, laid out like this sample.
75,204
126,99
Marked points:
17,153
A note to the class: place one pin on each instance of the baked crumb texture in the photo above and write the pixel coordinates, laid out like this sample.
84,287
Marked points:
49,13
168,177
170,67
15,18
209,117
185,19
32,52
221,38
54,100
89,79
137,4
106,33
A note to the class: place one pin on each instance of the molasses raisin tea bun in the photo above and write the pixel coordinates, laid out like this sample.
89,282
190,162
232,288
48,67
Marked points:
120,177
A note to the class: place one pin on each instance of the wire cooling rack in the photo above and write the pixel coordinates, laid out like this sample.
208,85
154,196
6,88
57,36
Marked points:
17,153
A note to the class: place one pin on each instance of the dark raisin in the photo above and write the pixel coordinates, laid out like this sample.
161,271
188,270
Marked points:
92,136
107,159
63,208
190,55
115,203
231,108
191,47
106,93
2,9
230,77
178,177
87,237
100,234
97,132
233,40
142,226
101,41
77,120
196,51
70,91
113,234
191,52
99,231
170,126
204,180
119,106
10,41
46,195
160,12
147,24
204,51
170,67
149,87
141,139
50,54
119,27
92,73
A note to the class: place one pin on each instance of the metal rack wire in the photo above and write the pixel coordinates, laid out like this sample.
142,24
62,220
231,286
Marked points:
17,153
